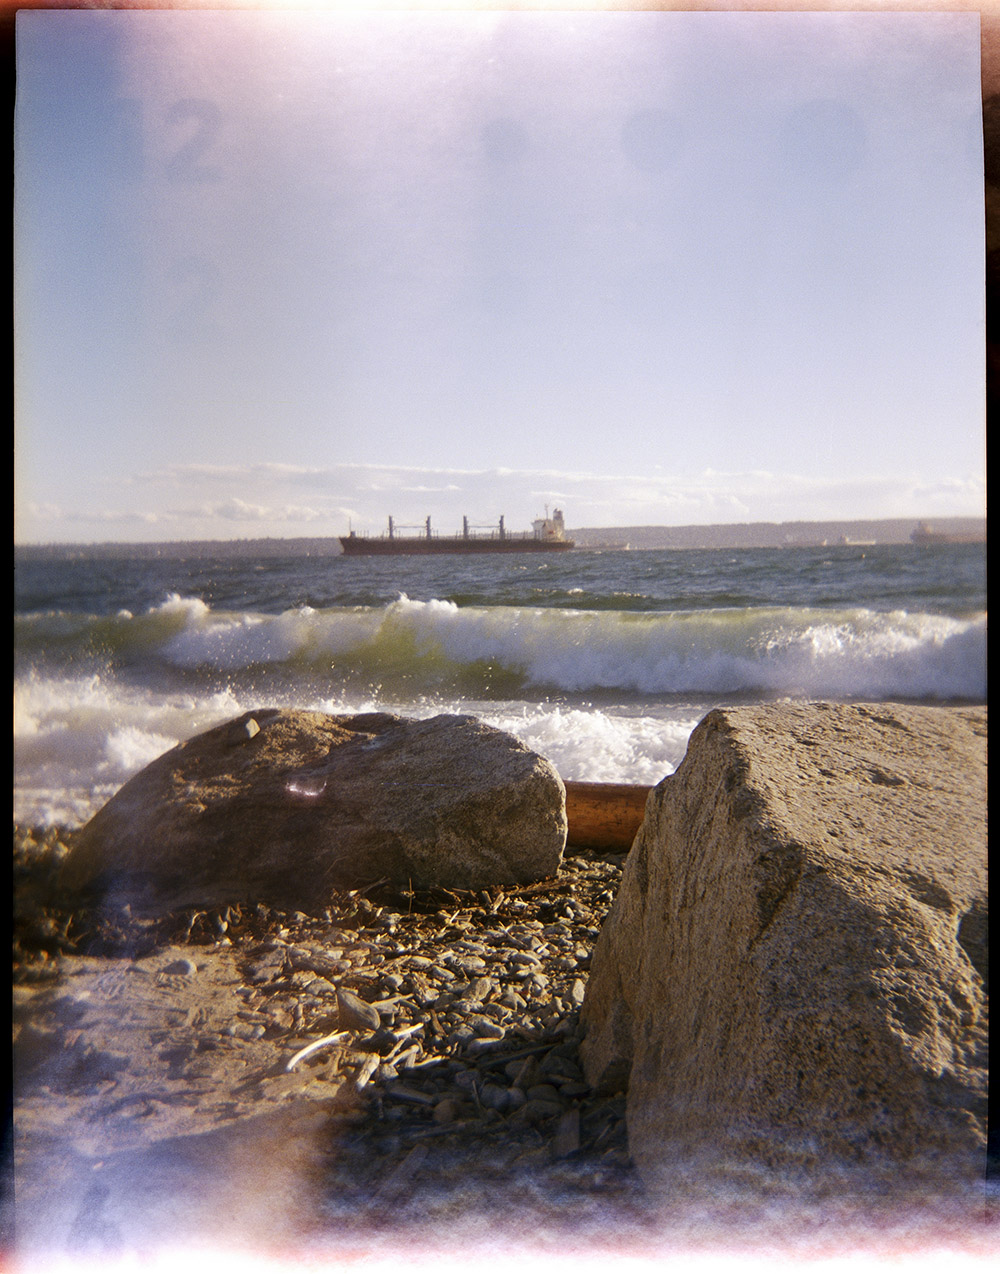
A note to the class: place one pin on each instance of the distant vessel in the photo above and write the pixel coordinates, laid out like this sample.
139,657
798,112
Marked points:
547,535
925,534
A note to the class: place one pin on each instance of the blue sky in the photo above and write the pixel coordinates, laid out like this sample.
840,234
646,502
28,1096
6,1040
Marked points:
279,272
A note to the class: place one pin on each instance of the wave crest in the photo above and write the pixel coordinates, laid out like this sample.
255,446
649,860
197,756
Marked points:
431,646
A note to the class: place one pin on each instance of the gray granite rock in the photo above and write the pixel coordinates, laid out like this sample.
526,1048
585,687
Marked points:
304,801
792,975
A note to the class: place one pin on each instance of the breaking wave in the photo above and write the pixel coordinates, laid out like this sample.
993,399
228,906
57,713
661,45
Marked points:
437,646
609,696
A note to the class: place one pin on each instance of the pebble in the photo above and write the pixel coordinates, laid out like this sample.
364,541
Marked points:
536,1110
269,968
403,1092
485,1029
355,1013
567,1138
447,1110
521,1070
493,1097
320,986
243,1031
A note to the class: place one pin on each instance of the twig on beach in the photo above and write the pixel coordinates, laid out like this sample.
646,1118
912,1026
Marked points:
368,1069
403,1045
402,1060
551,885
314,1047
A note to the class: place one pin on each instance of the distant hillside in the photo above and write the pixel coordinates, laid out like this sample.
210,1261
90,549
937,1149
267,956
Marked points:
763,535
740,535
318,546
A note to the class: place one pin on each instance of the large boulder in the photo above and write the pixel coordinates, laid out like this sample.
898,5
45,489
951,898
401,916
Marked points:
792,978
279,806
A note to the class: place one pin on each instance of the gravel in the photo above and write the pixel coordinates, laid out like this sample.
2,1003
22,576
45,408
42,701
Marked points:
452,1015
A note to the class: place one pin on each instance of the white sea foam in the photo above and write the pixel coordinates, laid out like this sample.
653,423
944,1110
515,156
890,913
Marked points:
232,641
600,745
76,740
531,671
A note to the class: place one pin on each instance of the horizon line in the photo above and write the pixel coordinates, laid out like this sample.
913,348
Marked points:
645,526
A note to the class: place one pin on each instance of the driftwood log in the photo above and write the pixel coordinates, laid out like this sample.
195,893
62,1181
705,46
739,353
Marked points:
604,815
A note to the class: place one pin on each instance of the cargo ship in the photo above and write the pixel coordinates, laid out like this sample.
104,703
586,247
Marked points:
925,534
547,535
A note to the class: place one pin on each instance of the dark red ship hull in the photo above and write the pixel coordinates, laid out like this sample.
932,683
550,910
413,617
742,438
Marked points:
419,545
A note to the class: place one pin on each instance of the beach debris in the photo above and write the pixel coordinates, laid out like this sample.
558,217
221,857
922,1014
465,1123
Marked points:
366,1070
314,1047
412,956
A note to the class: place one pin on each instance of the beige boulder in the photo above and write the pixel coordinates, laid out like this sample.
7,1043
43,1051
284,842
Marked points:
279,806
792,977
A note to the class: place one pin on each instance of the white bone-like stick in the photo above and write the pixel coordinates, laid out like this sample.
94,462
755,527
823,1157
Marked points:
314,1047
368,1069
402,1060
403,1043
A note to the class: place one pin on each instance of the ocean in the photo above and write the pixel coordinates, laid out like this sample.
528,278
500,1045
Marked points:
602,661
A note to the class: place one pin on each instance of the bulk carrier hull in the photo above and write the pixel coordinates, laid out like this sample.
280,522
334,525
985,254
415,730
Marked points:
382,546
548,536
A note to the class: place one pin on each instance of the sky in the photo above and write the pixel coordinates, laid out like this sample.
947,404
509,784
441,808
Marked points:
287,273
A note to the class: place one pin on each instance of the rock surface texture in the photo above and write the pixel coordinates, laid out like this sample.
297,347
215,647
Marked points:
793,976
279,806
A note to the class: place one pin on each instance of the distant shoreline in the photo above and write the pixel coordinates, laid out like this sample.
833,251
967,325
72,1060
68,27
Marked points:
736,535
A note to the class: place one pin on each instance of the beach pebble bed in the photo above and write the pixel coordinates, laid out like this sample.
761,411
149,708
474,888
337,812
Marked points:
439,1028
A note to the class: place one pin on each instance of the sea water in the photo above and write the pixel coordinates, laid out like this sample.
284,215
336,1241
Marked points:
602,661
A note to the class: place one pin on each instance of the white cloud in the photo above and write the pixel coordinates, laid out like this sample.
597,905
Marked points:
266,500
237,510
